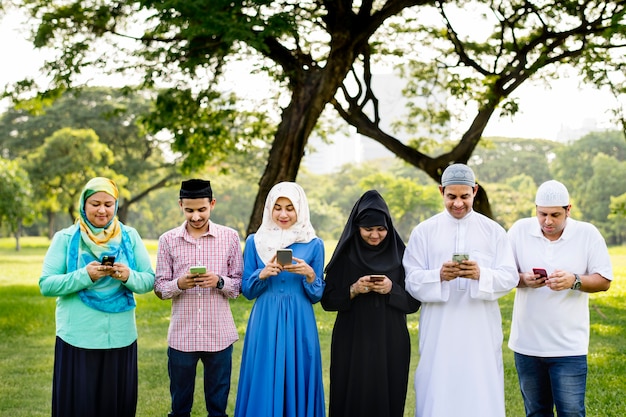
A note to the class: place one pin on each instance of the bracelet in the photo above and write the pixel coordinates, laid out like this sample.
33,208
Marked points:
352,291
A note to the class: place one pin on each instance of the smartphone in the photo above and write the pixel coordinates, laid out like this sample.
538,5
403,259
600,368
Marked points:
197,270
284,256
108,260
376,278
460,257
542,272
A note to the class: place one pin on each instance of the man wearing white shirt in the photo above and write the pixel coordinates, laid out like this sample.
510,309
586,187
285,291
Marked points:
550,327
460,372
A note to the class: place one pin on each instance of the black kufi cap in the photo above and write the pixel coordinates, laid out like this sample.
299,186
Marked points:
196,188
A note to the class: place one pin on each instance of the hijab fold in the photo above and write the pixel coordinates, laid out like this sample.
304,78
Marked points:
270,237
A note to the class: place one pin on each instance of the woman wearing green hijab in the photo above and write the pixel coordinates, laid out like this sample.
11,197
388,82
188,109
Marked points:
95,364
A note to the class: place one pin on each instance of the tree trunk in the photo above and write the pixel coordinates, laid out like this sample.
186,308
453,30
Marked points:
287,150
311,90
50,224
122,212
481,203
18,233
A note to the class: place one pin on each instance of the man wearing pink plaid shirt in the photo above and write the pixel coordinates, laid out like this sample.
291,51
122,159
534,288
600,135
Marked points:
202,325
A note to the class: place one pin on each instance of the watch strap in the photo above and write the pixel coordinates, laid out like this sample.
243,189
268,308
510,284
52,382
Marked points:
577,282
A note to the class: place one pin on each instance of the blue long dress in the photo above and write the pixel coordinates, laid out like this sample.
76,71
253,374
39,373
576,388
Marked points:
281,364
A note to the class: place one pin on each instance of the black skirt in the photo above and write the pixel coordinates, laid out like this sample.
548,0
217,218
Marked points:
94,382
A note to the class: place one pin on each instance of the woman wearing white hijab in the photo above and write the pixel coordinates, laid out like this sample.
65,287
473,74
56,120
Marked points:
281,367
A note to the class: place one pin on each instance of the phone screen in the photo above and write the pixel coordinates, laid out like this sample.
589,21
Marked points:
460,257
283,256
197,270
108,260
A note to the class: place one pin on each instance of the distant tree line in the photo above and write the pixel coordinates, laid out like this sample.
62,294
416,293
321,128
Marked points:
47,155
510,170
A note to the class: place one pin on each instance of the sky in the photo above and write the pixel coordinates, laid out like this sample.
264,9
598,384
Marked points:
555,113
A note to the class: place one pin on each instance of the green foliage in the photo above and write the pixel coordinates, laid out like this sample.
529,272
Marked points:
592,168
206,127
114,117
15,195
574,163
409,202
512,200
309,48
64,163
499,158
617,216
595,200
411,195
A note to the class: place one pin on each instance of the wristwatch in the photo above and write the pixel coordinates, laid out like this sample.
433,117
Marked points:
220,283
577,282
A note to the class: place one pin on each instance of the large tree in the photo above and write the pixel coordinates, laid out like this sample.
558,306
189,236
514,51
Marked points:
311,46
115,117
15,198
62,166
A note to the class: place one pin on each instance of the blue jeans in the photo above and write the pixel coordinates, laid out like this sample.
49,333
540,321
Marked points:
549,382
181,367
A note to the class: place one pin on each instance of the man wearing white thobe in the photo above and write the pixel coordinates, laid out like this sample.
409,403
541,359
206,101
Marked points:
460,372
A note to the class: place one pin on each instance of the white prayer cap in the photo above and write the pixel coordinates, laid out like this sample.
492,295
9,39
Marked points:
552,194
458,174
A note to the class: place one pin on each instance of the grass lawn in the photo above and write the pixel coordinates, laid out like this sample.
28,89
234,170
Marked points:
27,343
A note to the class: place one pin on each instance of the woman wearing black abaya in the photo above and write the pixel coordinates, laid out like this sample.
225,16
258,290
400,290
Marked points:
370,350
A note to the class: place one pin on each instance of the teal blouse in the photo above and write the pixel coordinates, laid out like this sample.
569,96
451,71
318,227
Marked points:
76,323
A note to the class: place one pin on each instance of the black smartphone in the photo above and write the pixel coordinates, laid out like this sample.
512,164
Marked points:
284,256
542,272
108,260
376,278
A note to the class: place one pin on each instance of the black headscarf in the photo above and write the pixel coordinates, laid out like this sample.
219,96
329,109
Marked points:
370,210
